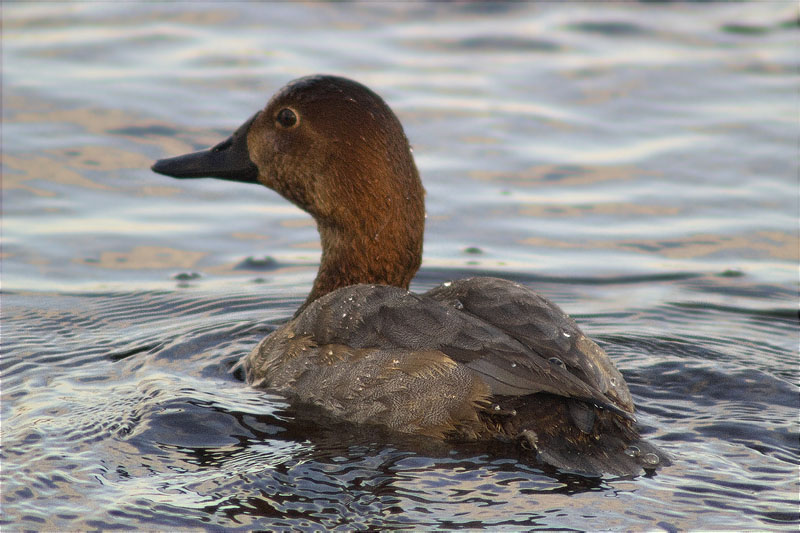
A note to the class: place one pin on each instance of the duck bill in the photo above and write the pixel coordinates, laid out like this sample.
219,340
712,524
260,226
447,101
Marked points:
229,160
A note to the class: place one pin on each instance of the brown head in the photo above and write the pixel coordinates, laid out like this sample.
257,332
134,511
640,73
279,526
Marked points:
335,149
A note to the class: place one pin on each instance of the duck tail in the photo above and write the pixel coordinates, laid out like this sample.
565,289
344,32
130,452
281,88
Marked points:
574,436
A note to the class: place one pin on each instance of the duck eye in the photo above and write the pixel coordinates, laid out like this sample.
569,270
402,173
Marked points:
286,118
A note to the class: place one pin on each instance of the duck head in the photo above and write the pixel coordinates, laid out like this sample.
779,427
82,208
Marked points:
336,150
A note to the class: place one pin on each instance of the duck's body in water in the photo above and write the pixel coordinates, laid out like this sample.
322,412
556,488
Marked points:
473,359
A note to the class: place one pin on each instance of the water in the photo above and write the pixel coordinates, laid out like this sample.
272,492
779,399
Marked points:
636,163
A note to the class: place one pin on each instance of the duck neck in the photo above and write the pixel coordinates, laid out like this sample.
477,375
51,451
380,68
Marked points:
384,251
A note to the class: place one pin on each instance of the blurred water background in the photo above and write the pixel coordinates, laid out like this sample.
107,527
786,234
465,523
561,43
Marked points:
637,163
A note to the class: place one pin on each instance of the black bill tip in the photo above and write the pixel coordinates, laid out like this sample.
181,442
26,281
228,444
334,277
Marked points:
229,160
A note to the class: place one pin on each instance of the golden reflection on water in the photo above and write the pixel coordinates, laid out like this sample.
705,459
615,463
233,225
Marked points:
597,95
309,245
36,171
91,226
105,123
244,236
41,16
564,175
103,158
618,152
45,169
760,244
144,257
305,222
609,208
93,120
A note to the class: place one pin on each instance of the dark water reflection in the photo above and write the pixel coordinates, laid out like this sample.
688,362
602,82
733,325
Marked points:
635,163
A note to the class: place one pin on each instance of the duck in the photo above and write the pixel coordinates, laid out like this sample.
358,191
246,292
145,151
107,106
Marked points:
481,359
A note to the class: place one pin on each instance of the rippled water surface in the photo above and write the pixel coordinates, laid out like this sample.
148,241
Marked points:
637,163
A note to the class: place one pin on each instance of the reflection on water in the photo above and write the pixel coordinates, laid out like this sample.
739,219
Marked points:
636,163
107,407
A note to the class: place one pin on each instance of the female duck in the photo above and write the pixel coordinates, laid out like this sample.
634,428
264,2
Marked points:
473,359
